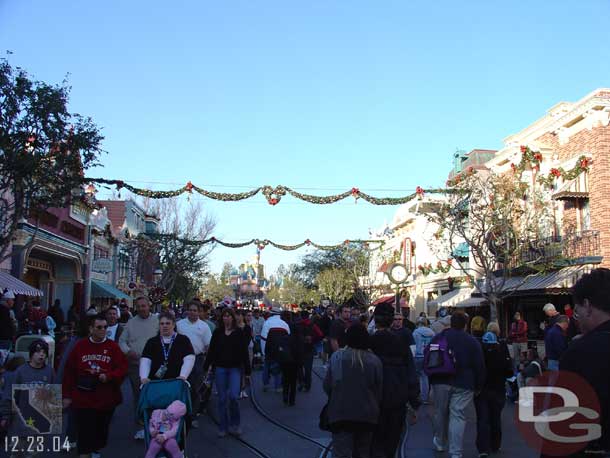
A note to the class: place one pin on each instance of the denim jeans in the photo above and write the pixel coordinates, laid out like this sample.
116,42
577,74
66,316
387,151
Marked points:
269,367
228,384
449,422
552,364
424,386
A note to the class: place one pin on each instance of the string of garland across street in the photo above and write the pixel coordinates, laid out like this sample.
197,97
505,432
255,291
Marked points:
530,160
371,245
272,194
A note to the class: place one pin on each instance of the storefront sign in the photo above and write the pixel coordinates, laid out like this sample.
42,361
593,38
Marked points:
102,265
74,231
79,212
39,265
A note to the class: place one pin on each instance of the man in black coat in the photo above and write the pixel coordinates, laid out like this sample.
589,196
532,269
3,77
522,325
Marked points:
589,356
400,383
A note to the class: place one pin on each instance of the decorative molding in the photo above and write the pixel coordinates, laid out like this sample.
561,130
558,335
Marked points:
599,97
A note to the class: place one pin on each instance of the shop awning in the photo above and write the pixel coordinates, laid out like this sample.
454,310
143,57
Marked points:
15,285
558,282
451,298
471,302
571,190
387,299
102,290
461,251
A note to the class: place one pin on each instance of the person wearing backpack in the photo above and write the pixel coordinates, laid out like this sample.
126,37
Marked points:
490,401
311,336
273,329
400,384
454,364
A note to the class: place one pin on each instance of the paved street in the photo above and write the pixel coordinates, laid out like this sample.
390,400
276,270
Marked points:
276,442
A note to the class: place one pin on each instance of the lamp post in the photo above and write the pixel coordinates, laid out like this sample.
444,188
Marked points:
398,274
89,192
157,276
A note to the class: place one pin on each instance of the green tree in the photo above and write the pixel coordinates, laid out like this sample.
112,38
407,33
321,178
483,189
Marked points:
349,263
214,289
336,284
44,149
226,272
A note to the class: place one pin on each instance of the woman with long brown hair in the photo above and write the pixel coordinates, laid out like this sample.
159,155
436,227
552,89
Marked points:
228,356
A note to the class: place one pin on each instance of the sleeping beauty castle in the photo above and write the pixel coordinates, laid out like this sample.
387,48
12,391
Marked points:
249,281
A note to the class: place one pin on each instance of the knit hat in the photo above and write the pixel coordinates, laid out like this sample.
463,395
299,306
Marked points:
384,310
490,338
177,409
357,337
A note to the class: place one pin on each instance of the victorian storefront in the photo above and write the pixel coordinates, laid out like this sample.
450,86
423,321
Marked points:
52,257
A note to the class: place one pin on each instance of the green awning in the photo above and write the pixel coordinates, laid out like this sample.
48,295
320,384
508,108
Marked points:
102,289
461,251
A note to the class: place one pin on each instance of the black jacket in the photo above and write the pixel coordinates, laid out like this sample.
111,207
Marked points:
498,366
589,357
400,382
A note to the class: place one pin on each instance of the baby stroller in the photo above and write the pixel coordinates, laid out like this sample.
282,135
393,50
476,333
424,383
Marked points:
158,394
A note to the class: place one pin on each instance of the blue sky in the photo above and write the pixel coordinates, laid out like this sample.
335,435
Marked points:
321,94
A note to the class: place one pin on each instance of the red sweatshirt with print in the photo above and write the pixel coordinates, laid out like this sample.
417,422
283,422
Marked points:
86,362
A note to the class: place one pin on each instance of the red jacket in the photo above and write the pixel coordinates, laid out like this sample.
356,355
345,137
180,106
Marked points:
88,360
518,332
317,334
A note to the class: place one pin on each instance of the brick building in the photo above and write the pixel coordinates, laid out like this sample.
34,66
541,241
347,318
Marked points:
579,204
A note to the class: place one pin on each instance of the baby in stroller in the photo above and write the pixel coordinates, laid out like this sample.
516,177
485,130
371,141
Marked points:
163,428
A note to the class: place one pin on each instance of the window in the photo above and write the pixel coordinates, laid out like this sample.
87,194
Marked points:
585,216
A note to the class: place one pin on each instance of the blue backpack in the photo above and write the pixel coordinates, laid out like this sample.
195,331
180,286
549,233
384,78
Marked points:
439,358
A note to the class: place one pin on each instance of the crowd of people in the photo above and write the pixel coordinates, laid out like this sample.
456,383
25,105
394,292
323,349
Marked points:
380,366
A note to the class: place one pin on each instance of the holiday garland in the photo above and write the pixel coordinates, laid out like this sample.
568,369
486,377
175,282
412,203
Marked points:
530,160
273,195
427,269
582,165
261,244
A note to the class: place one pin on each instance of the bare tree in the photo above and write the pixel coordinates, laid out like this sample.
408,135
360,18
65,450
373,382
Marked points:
494,216
183,258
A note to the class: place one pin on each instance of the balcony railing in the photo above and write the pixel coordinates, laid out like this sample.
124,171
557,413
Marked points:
571,247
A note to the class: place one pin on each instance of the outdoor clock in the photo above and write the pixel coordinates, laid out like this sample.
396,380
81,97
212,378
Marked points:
398,273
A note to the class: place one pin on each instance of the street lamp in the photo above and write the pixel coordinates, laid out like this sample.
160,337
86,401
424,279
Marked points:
398,274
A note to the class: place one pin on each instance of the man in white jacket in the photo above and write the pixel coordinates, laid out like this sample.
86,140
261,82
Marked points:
200,335
273,325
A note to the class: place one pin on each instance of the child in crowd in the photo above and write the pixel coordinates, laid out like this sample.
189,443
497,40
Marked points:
164,424
36,371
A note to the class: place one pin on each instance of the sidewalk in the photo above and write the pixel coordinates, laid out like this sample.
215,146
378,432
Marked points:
419,442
